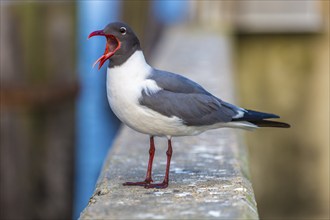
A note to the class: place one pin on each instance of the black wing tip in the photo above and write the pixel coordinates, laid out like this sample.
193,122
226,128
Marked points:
269,123
263,115
260,119
275,116
253,116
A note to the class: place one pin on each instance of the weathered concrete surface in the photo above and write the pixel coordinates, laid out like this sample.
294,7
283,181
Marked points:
208,172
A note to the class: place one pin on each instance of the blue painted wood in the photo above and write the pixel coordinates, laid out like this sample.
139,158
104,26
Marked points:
95,123
170,11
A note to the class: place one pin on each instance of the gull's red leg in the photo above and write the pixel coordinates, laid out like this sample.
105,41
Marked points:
148,179
164,184
151,159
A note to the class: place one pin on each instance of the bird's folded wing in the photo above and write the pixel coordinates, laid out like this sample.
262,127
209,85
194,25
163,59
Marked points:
176,83
194,109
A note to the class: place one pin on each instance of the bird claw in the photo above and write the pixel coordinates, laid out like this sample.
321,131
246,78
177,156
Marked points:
143,183
147,184
162,185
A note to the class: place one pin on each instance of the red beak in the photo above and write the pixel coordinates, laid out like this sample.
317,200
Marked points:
112,45
96,33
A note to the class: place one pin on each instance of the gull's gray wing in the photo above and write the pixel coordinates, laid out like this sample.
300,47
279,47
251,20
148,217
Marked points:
179,96
176,83
186,100
193,109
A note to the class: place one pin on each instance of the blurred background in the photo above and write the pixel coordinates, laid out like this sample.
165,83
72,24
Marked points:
56,126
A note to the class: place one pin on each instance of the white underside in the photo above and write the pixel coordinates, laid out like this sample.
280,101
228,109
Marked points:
124,86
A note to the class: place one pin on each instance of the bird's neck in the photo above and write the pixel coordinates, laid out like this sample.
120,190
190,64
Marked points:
134,65
123,54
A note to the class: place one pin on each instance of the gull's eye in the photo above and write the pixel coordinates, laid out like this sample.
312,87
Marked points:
122,30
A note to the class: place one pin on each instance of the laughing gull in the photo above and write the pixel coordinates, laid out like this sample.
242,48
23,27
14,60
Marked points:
160,103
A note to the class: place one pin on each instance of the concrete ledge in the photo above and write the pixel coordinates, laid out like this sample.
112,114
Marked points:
208,172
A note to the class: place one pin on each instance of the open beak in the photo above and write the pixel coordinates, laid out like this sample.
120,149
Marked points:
112,45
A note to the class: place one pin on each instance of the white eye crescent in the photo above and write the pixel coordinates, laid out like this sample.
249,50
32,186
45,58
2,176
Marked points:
122,30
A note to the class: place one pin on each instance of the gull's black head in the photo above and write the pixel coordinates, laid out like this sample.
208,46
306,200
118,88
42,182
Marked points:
121,43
